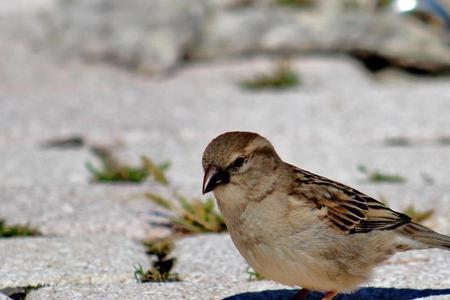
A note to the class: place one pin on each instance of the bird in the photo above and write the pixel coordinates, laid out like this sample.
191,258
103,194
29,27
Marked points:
301,229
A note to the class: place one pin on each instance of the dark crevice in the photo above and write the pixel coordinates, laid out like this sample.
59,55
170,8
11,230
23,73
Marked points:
21,292
375,63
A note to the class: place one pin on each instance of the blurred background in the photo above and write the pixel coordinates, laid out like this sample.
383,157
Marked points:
355,90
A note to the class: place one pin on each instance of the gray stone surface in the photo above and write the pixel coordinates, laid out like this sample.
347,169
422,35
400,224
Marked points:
183,290
204,258
209,257
335,121
66,210
212,269
263,290
155,37
26,167
150,37
65,260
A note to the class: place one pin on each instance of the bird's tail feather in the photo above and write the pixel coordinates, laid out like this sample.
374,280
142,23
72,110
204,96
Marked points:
425,237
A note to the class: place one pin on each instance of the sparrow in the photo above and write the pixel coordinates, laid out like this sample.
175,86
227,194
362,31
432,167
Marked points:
301,229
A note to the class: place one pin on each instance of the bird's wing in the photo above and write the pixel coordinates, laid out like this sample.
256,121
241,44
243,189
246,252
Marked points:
346,209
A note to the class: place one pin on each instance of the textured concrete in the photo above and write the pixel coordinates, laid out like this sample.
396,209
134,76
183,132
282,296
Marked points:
264,290
329,125
61,261
203,258
210,257
212,269
84,209
188,291
26,167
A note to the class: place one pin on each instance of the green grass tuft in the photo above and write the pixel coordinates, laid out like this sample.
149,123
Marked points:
112,170
418,216
282,77
378,177
411,211
20,293
191,215
296,3
253,275
121,174
162,266
8,231
157,172
161,248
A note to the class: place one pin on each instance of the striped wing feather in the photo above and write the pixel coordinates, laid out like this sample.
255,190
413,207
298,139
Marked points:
347,210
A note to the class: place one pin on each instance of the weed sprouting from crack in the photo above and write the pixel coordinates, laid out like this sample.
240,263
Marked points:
191,216
418,216
20,293
411,211
281,77
253,275
9,231
296,3
378,176
112,170
162,266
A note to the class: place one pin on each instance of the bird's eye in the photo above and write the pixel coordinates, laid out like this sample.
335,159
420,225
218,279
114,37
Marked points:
238,163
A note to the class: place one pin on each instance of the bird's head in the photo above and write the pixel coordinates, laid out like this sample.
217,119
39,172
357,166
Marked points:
243,161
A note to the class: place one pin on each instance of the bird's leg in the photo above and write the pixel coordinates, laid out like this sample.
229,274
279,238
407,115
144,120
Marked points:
329,295
301,295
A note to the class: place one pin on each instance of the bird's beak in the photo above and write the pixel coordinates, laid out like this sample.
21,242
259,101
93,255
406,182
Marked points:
214,177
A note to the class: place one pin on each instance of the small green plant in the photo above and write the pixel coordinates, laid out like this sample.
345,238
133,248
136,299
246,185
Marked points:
418,216
123,173
20,293
161,248
191,216
377,176
112,170
160,272
411,211
157,172
253,275
282,77
162,266
8,231
296,3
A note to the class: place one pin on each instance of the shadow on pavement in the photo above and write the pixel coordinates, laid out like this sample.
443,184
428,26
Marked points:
362,294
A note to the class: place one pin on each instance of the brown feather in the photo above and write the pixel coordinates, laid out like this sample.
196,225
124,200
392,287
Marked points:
348,210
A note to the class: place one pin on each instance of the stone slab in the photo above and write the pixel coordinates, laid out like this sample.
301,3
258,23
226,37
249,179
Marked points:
263,290
330,124
202,258
212,269
86,209
60,261
24,166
